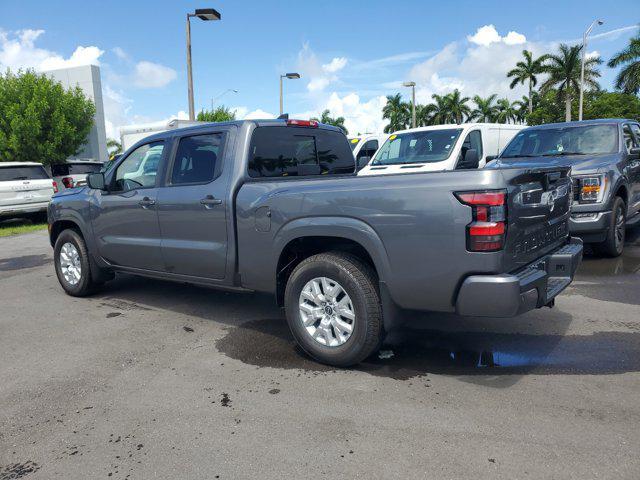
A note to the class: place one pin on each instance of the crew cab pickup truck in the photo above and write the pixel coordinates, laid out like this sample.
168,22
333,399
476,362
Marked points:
604,156
276,206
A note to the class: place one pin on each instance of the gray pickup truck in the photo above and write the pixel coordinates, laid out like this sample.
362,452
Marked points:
275,206
604,156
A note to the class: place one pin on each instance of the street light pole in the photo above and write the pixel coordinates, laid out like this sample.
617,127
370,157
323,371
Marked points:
584,53
205,14
213,100
413,101
289,76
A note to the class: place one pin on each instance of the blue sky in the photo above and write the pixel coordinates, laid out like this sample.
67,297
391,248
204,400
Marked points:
350,54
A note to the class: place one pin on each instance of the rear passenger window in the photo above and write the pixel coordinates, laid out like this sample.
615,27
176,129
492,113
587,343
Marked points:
197,159
294,151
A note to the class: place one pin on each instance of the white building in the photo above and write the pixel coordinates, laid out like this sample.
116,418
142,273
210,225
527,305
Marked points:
88,79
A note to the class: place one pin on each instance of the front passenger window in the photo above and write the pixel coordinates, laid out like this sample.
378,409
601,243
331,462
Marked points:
140,168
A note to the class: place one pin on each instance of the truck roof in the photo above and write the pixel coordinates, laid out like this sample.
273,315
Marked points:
462,125
207,126
597,121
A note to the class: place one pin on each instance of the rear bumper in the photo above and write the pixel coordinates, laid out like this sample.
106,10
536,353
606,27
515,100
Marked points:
590,226
16,210
536,285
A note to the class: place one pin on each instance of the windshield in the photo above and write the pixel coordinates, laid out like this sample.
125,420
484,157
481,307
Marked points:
353,142
575,140
426,146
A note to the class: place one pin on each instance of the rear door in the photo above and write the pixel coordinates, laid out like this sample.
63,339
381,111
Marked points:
633,164
24,185
192,206
125,219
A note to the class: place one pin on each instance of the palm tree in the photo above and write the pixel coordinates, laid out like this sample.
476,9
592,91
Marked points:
458,108
438,111
113,147
507,111
522,108
326,118
397,112
485,110
526,71
564,74
628,79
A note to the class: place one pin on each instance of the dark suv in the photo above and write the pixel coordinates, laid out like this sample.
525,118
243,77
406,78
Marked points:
604,156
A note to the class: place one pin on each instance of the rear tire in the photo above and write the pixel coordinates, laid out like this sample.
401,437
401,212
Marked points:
354,319
72,264
613,245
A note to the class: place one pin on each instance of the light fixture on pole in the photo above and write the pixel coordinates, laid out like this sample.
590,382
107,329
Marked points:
413,101
205,14
214,99
290,76
584,54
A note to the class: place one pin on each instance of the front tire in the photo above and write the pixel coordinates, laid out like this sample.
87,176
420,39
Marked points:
613,245
333,308
72,264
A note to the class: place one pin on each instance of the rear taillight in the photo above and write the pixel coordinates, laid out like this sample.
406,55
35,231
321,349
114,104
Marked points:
55,187
67,182
302,123
487,231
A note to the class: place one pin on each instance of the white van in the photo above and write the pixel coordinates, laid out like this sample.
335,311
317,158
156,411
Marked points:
365,146
441,147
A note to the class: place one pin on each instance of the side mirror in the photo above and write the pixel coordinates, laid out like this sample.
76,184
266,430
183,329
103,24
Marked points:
96,181
363,162
470,160
635,152
490,157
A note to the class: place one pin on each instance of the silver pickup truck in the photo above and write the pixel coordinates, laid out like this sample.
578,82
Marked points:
276,206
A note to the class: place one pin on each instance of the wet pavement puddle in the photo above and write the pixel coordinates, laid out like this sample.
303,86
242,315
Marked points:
26,261
268,343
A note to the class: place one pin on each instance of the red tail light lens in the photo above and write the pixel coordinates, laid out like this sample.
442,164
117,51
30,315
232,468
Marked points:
55,186
487,231
302,123
67,182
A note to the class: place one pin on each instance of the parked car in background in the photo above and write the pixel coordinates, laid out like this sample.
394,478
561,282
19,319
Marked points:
73,173
440,147
604,156
25,190
365,146
276,206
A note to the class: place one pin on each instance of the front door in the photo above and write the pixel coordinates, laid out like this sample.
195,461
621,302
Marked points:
125,218
634,169
192,208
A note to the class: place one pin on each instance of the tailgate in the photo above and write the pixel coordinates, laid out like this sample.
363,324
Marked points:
21,192
538,210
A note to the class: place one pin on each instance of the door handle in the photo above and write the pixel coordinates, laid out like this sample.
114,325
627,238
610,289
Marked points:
209,201
146,202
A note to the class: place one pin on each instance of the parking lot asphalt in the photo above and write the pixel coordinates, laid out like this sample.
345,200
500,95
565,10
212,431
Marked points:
151,379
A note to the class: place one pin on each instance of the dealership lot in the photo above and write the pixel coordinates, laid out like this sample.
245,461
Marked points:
150,379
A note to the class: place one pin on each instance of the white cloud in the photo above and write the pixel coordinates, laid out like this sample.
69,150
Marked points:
120,53
19,51
594,54
152,75
258,114
337,63
487,34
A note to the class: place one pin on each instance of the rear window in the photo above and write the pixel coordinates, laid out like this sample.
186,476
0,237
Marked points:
63,169
22,173
295,151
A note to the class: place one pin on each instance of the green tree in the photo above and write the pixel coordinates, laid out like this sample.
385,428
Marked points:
628,79
485,110
506,111
526,71
397,112
563,71
40,121
457,106
326,118
602,104
435,113
114,147
219,114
